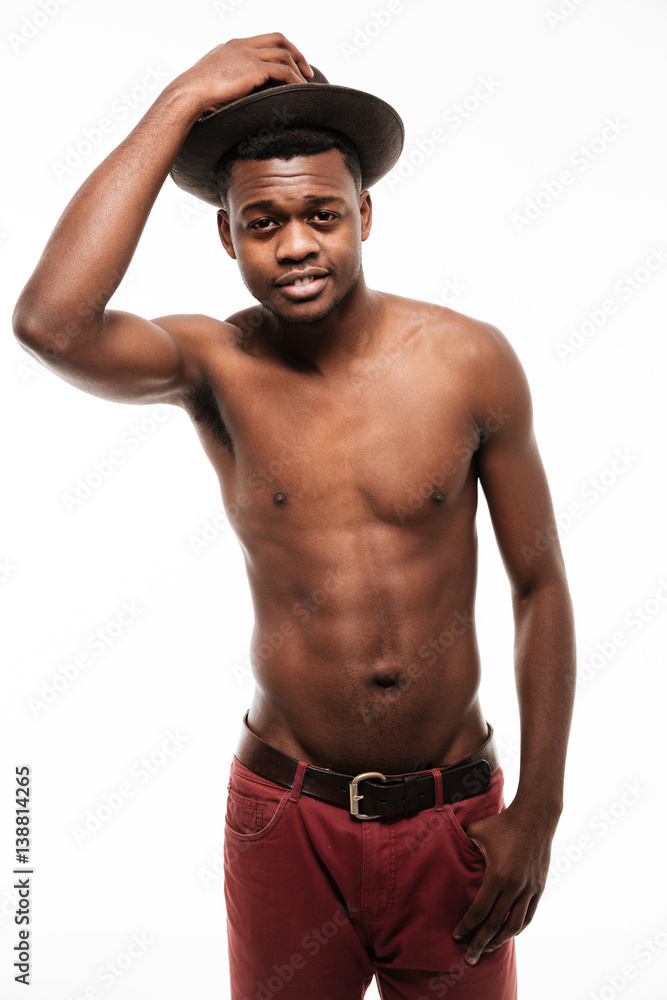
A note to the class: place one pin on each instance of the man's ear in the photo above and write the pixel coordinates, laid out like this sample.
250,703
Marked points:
224,230
366,212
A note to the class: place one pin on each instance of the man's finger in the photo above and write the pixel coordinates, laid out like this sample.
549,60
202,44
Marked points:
277,55
489,928
514,923
479,909
276,38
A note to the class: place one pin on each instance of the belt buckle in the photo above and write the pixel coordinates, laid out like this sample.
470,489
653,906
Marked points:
355,798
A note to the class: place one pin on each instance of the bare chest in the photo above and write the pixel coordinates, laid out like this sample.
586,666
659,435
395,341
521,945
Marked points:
383,445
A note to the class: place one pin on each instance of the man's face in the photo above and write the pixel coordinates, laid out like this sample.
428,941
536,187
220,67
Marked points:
293,218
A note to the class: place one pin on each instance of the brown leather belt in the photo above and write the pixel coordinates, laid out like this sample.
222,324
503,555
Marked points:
381,796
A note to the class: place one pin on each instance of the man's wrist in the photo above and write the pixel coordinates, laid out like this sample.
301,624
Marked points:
536,806
183,101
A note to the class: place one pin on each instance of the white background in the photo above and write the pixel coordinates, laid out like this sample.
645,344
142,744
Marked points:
449,220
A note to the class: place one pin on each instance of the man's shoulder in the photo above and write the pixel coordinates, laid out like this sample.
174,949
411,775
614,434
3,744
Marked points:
193,328
468,337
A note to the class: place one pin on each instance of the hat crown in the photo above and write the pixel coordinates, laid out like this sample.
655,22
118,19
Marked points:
373,127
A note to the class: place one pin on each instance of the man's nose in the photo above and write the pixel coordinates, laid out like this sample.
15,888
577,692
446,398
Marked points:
297,241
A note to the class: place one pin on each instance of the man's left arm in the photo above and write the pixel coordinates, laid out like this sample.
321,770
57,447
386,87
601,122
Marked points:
517,843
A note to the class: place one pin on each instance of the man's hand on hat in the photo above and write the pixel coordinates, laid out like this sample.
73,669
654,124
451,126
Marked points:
234,69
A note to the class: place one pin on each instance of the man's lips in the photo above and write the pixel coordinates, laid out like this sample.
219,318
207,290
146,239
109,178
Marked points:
304,291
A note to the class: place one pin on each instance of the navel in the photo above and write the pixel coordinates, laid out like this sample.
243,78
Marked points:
280,498
386,680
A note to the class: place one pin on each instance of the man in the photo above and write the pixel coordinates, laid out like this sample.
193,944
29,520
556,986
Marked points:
366,831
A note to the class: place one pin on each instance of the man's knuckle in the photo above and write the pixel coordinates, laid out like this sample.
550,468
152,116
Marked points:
513,927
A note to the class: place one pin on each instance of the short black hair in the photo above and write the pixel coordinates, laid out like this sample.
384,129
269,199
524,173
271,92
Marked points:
295,140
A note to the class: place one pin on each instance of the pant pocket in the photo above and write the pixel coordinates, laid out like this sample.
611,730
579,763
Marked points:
254,805
461,814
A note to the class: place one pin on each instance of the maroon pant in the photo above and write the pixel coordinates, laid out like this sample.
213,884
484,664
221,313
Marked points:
319,902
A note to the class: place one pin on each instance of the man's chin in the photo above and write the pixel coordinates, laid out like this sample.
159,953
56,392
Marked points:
303,312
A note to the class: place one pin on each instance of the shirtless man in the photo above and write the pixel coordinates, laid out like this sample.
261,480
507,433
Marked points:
378,415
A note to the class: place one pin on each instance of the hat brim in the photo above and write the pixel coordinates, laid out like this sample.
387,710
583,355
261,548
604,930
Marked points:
372,125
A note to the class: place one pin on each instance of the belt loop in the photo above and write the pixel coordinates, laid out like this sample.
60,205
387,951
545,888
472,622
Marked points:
298,781
437,778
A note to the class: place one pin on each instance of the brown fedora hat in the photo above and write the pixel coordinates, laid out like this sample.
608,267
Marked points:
372,125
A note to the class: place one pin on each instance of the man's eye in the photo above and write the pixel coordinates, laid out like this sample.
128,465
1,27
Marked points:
261,224
329,215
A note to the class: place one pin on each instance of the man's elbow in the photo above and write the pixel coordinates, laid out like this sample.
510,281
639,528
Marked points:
42,335
551,582
31,329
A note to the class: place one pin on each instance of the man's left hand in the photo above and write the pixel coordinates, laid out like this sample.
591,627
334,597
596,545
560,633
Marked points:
516,847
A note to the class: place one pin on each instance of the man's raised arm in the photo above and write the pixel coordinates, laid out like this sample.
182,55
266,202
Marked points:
60,316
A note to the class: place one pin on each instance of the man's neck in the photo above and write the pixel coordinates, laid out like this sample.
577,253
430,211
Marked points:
350,333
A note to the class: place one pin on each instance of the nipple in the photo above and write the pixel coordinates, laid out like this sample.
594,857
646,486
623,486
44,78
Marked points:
280,498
